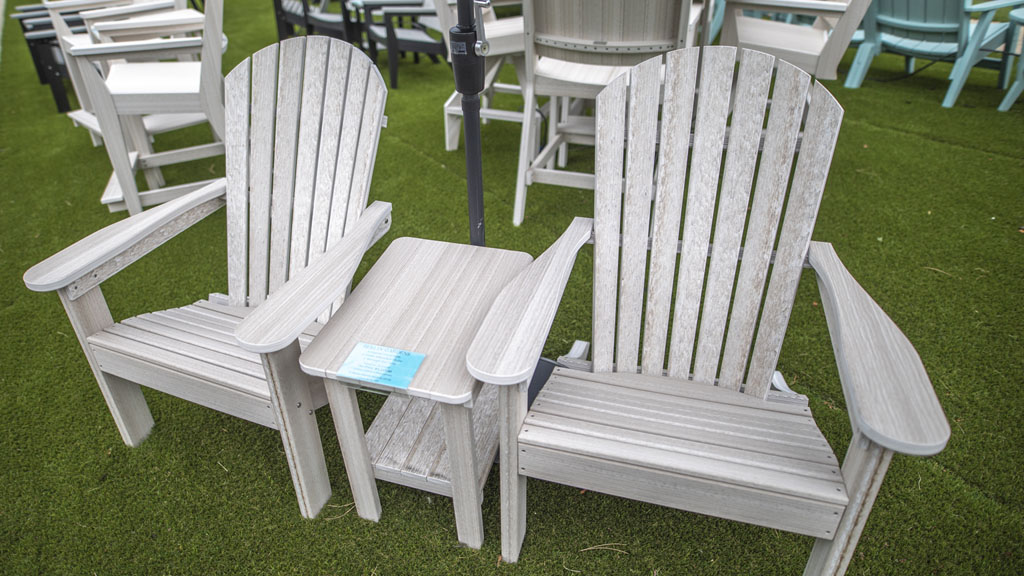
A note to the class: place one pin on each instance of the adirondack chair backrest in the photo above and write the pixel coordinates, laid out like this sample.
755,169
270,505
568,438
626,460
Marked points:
302,128
927,20
608,32
740,306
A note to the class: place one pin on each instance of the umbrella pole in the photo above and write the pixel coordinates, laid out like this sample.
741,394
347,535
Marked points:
469,47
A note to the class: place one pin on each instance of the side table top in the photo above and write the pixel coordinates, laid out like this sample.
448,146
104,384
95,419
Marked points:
421,296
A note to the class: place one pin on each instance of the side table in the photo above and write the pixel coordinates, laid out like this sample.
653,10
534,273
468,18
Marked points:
440,434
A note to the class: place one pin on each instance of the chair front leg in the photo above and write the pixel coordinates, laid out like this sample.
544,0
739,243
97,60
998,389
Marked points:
864,469
512,407
88,315
527,151
296,421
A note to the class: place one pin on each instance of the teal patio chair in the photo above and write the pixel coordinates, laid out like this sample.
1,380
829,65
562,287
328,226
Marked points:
935,30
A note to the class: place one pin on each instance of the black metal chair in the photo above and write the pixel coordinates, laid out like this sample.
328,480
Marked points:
400,31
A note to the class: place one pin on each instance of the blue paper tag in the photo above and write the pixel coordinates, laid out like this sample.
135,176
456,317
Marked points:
381,365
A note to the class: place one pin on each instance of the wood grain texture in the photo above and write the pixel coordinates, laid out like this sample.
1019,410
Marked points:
236,142
349,427
466,494
290,395
261,169
644,94
510,339
313,85
422,296
705,164
296,305
750,96
610,136
330,145
822,128
512,404
677,117
789,100
286,133
888,393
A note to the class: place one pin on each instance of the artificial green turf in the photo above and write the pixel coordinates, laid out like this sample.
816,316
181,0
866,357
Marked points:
924,205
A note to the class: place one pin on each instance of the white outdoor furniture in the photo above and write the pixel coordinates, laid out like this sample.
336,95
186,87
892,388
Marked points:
574,48
1016,24
300,145
439,434
121,20
505,37
130,90
816,49
686,418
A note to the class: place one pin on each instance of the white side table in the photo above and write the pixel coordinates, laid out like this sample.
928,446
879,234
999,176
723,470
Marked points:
440,434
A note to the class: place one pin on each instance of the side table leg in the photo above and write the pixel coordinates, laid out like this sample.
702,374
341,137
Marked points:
466,496
349,427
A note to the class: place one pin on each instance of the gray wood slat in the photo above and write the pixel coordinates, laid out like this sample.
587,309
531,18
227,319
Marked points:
644,94
330,142
236,141
664,436
313,85
677,116
286,129
755,506
709,134
823,121
609,139
355,92
261,169
750,95
639,406
622,451
174,360
406,441
789,99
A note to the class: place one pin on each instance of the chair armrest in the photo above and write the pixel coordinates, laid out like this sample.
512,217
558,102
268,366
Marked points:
159,24
992,5
797,6
510,340
888,393
154,47
127,10
279,320
110,243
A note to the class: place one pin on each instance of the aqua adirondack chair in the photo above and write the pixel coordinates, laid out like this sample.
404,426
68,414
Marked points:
935,30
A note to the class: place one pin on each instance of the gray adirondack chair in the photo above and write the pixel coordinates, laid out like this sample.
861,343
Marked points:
935,30
816,49
303,123
704,432
132,89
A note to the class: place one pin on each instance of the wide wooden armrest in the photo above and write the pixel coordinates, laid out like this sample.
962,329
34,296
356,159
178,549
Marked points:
797,6
993,5
510,340
102,246
154,47
279,320
888,393
127,10
180,20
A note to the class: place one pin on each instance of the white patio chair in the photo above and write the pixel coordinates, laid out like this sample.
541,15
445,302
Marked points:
686,417
302,127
